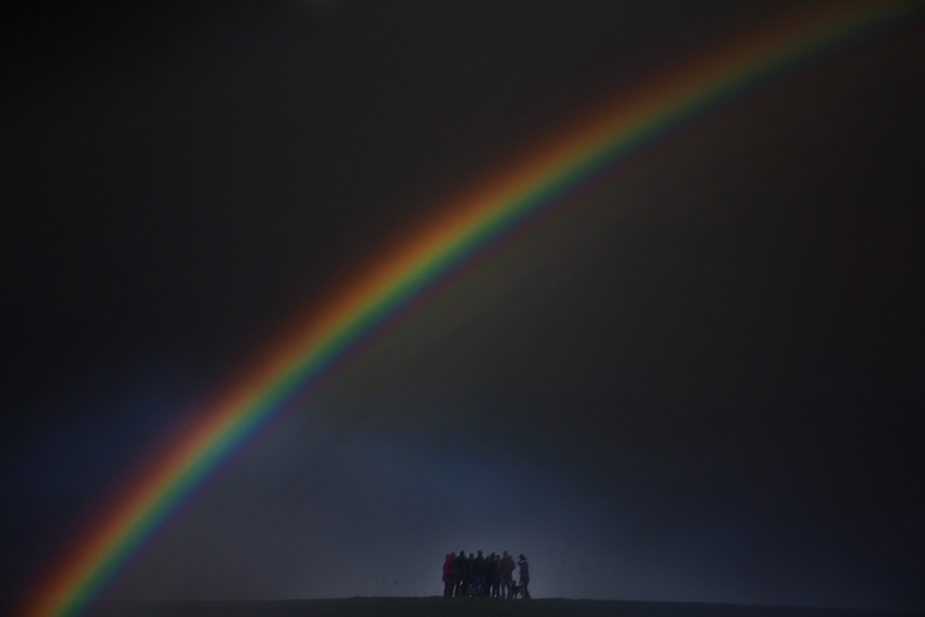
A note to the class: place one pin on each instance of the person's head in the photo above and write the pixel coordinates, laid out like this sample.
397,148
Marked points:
480,553
522,558
504,553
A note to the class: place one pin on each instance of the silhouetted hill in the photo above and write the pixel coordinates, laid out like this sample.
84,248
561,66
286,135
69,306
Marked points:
473,607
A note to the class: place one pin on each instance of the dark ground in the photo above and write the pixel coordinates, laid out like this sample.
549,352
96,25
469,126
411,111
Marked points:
439,607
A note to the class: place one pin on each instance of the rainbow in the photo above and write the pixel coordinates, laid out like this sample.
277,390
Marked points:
536,183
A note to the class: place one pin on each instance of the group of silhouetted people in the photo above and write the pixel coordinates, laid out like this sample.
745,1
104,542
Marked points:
484,576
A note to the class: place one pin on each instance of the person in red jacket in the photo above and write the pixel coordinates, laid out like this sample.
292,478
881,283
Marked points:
449,576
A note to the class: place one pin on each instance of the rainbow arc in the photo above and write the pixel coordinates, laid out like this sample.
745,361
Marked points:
539,181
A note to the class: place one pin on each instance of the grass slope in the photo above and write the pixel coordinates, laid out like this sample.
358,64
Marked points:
472,607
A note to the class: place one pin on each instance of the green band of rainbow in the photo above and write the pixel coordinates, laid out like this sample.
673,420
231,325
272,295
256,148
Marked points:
539,180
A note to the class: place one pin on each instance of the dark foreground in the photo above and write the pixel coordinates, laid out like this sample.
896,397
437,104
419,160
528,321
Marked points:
474,607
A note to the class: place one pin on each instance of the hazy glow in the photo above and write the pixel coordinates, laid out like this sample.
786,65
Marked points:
540,180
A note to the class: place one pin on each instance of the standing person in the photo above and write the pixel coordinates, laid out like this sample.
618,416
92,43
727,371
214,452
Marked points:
461,570
505,574
491,575
449,575
477,569
524,574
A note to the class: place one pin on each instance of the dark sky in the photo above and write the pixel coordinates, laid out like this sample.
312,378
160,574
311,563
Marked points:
699,382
